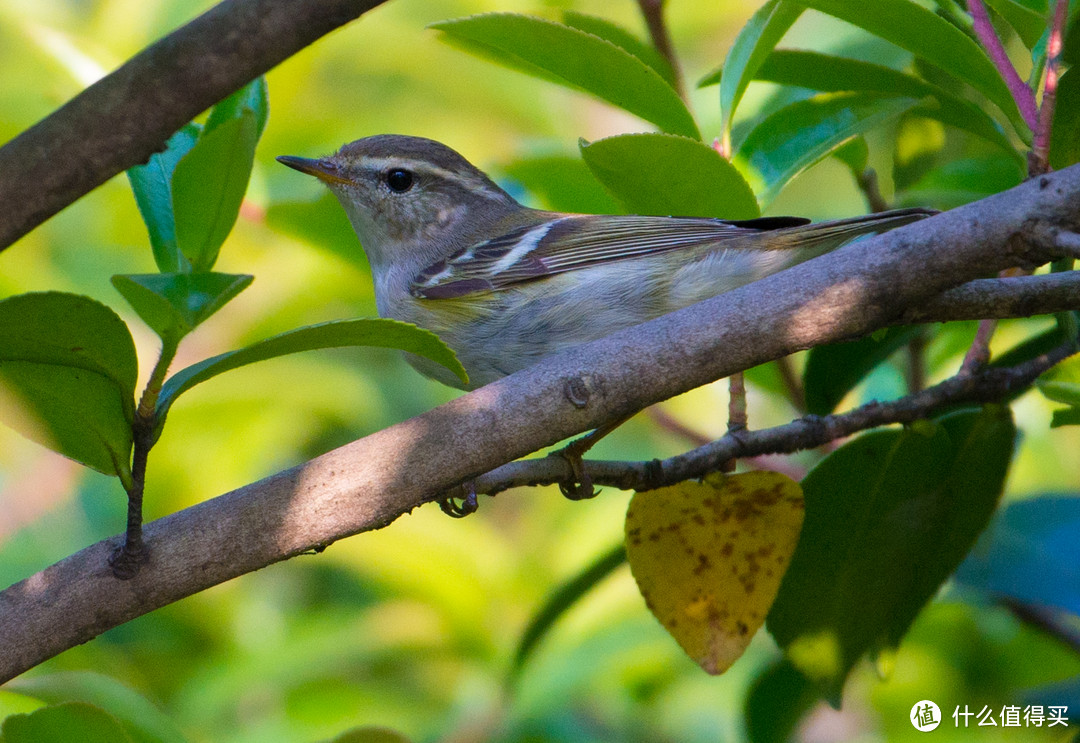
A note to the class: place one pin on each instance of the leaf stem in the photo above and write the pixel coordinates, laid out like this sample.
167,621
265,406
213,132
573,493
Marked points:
737,417
1021,92
673,425
1040,148
793,385
128,559
653,12
978,355
1039,118
868,184
916,363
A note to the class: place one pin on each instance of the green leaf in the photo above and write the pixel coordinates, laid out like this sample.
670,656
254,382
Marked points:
918,147
622,38
828,73
1063,391
322,223
563,598
1028,24
575,58
1065,417
72,411
888,517
855,154
799,135
1070,54
208,188
959,182
142,721
663,174
378,332
919,30
768,377
69,330
252,97
64,723
778,699
370,734
753,44
834,370
1065,136
152,186
173,304
563,184
71,361
1058,391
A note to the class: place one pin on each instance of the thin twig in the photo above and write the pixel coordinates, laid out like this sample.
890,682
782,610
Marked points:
1040,149
132,555
987,385
978,355
868,184
129,558
793,385
737,419
1021,93
671,424
653,12
916,363
1054,622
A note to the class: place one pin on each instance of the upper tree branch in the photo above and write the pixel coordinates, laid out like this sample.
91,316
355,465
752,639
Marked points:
369,483
125,117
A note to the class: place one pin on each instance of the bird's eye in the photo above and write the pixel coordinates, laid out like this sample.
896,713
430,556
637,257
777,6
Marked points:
399,180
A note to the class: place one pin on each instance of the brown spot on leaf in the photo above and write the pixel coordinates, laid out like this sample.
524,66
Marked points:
703,563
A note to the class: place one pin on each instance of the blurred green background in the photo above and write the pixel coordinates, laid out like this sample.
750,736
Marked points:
414,627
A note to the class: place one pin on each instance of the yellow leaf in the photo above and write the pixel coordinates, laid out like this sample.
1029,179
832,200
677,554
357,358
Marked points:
708,558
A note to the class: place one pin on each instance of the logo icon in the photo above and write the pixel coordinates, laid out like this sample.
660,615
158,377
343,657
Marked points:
925,716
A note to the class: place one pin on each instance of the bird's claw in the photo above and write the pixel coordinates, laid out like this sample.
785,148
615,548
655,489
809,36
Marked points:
580,486
466,494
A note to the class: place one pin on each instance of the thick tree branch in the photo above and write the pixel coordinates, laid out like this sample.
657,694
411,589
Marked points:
369,483
1018,296
125,117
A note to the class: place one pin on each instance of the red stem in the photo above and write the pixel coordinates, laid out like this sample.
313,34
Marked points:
1021,92
1040,148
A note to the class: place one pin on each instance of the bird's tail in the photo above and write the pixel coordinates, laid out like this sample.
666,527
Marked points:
816,238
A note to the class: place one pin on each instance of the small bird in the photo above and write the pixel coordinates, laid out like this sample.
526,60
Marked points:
505,285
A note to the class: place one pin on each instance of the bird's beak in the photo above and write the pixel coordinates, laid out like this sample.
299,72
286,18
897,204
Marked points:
324,169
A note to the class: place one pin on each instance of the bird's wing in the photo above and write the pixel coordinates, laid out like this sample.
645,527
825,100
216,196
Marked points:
569,242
